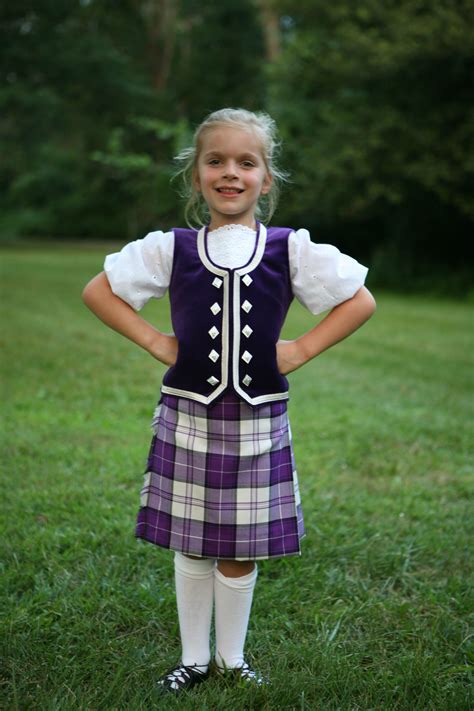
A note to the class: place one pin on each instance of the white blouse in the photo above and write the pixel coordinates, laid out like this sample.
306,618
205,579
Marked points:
321,276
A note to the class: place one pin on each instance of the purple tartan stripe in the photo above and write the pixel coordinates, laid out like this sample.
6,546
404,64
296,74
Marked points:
279,502
279,539
220,481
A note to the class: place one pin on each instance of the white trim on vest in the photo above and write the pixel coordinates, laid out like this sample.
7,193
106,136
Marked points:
224,273
191,395
254,262
235,355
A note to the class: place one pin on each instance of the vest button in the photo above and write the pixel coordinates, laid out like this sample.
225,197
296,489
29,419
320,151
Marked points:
213,332
214,355
247,331
212,380
246,306
215,308
247,280
246,356
247,380
217,283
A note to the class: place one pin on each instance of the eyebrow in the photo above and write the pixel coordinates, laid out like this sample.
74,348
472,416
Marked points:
247,154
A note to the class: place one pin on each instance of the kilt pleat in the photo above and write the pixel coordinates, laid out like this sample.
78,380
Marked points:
221,481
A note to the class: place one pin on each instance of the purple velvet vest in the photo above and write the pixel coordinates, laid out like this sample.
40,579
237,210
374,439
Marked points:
228,321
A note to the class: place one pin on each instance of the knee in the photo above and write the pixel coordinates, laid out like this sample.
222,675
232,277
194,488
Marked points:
235,568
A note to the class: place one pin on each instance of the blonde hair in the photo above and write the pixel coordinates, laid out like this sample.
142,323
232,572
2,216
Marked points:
264,127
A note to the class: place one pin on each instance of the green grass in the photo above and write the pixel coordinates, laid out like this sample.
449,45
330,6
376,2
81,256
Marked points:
375,613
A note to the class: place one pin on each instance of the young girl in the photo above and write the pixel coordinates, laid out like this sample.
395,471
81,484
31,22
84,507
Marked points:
221,489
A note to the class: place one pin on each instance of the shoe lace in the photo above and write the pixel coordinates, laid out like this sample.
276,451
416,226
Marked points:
181,673
247,673
178,674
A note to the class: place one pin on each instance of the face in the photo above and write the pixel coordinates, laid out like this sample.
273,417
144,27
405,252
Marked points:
231,175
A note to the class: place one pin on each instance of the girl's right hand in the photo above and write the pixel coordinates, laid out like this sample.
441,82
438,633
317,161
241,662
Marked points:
289,356
165,348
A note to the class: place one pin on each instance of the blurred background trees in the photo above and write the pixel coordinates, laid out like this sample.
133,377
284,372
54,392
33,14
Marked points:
373,100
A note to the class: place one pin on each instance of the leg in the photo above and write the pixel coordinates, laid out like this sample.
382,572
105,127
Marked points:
194,579
194,597
235,568
233,591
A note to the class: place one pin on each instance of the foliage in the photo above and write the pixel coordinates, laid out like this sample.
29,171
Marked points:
385,88
218,59
68,76
380,127
373,100
88,138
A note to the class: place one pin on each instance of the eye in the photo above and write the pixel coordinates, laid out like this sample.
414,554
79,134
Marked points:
248,164
213,161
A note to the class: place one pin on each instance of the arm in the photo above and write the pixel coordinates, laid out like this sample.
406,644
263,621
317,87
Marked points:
118,315
340,322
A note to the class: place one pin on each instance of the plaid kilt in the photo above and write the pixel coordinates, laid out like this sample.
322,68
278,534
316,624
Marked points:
221,481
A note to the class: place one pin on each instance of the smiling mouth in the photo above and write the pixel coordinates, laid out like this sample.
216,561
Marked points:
229,191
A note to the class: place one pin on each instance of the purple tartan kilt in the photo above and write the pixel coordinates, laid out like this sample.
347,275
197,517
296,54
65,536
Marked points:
221,481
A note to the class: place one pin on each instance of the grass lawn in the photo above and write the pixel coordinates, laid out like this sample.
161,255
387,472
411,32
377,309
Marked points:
373,615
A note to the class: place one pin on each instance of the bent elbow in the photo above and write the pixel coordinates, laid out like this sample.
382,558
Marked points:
87,294
372,304
92,290
366,302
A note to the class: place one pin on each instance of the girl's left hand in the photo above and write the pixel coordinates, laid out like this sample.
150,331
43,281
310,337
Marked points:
289,356
339,323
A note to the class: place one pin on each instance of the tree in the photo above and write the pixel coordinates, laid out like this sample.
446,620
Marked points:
67,81
220,49
90,92
375,102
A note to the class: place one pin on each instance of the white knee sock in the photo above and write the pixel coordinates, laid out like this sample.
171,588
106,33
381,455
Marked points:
194,597
233,600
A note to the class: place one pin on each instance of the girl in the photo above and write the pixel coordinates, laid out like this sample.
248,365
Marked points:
221,489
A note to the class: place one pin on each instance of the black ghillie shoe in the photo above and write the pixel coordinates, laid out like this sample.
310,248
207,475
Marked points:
182,678
245,673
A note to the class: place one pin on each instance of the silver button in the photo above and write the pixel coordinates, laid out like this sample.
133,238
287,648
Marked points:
217,283
247,380
246,356
247,331
215,308
214,355
213,332
246,306
247,280
212,380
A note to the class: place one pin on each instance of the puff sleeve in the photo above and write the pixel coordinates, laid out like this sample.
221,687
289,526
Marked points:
142,269
321,276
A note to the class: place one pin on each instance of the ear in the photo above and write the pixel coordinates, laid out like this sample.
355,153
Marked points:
267,184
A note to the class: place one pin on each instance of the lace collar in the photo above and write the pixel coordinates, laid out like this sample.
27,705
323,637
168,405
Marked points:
226,229
254,261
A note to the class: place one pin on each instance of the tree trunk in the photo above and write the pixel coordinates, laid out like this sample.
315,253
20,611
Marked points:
270,20
160,17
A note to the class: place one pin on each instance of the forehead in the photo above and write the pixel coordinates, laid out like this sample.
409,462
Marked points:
230,140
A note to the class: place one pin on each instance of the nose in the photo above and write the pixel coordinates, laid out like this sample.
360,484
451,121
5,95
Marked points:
230,170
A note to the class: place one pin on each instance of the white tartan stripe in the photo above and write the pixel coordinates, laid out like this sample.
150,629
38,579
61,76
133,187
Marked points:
221,481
